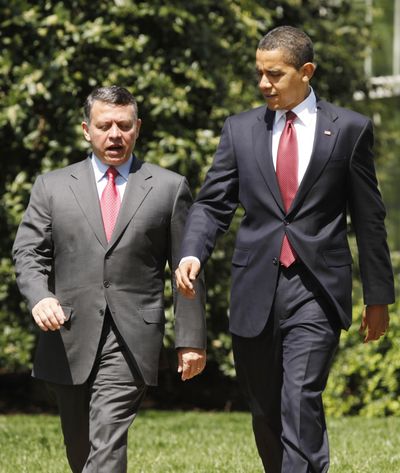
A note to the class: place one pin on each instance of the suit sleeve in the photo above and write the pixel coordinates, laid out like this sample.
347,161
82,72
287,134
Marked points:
368,219
190,324
33,247
216,203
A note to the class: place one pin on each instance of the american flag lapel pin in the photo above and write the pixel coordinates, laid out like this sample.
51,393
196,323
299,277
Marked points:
327,132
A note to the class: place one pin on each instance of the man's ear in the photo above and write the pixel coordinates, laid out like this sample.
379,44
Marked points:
138,126
85,128
308,71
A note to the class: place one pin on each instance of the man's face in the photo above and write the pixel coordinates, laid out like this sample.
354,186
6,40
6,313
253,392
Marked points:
112,132
282,85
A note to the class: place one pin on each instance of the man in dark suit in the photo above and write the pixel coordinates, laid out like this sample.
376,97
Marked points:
90,258
295,166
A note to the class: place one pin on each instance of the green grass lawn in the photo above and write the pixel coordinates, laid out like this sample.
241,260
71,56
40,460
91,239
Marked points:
193,442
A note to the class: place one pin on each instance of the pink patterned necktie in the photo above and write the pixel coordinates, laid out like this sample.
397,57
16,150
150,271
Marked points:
287,163
110,202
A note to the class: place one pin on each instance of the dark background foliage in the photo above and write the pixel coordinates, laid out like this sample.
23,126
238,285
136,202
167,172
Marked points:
190,65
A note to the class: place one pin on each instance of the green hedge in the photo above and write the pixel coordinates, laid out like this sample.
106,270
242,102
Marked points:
190,65
365,378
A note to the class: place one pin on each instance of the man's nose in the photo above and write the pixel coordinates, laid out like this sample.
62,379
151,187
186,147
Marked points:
264,82
115,132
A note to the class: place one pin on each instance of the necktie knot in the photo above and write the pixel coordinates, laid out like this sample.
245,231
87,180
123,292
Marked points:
112,173
290,117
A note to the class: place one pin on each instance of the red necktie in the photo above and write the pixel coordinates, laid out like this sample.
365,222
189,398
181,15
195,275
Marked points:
287,162
110,202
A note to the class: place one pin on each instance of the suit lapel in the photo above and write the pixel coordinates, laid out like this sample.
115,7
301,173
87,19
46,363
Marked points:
137,188
83,186
262,140
326,133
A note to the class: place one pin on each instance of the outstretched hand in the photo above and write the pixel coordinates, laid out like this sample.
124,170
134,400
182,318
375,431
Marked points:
375,322
185,274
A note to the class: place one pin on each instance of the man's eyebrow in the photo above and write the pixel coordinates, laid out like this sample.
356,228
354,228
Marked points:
271,69
110,120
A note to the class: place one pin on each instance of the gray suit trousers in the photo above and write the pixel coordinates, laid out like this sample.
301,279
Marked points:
95,416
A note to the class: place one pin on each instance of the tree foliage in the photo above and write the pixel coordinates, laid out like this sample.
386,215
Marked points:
189,64
365,379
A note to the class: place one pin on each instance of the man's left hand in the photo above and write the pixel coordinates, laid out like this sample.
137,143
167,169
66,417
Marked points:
191,362
375,322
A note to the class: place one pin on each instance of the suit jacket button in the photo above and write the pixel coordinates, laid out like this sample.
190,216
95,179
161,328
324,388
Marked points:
106,283
275,261
286,223
101,312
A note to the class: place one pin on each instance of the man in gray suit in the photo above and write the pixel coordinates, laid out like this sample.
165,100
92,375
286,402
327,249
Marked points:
90,258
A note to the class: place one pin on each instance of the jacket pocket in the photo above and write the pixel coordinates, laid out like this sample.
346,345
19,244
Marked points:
240,257
67,309
338,257
154,315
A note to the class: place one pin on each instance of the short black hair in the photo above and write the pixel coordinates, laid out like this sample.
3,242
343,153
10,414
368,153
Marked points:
113,94
297,46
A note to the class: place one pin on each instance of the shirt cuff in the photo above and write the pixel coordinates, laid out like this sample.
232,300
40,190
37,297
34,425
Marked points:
188,258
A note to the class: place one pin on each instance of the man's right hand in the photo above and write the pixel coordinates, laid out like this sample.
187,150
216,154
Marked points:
185,274
48,314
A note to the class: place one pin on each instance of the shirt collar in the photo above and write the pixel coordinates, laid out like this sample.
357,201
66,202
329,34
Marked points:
303,110
100,168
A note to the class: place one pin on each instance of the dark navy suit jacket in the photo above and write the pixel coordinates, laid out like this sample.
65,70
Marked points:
340,179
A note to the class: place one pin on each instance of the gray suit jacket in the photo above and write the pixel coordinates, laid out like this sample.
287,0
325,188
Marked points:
61,250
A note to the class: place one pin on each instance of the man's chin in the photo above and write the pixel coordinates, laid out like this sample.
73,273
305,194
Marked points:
115,159
273,103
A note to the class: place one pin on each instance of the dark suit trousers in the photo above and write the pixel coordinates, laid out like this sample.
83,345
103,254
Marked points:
284,371
95,416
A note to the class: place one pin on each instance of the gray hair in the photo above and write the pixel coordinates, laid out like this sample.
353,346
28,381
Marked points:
113,95
297,46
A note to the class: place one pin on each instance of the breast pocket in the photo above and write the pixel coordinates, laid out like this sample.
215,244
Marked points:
337,163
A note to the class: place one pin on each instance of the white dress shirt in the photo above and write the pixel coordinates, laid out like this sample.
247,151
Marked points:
100,175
